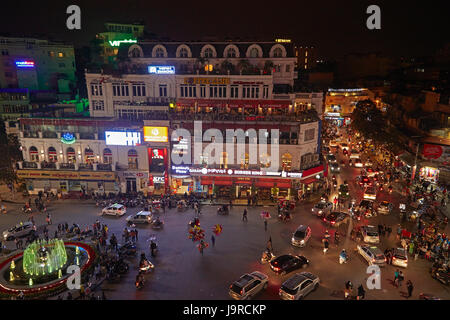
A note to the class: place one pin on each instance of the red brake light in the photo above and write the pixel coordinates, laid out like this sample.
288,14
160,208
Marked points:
241,292
333,222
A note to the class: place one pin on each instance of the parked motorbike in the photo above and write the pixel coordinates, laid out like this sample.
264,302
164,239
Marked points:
128,249
267,256
121,267
223,210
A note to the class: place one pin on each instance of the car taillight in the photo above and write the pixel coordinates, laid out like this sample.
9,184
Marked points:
333,222
324,219
393,258
241,292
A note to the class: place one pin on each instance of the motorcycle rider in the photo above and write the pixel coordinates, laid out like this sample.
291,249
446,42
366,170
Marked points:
343,257
140,280
153,247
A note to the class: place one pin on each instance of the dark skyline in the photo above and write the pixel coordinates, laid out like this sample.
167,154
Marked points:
335,28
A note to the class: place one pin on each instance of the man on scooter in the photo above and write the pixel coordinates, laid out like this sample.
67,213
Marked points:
343,257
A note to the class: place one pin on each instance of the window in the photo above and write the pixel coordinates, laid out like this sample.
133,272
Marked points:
62,65
254,53
139,90
254,92
286,162
96,89
5,52
120,89
52,156
277,53
184,53
61,55
288,68
202,91
34,155
208,53
98,105
163,90
277,67
309,134
8,75
265,92
107,156
135,53
132,159
71,158
89,157
246,92
234,92
159,53
245,161
231,53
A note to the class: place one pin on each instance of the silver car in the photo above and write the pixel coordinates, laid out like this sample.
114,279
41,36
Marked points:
370,234
384,207
301,236
400,258
372,254
140,217
322,208
248,285
299,286
18,231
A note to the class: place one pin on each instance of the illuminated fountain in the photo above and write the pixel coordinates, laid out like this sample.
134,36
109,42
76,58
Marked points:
44,257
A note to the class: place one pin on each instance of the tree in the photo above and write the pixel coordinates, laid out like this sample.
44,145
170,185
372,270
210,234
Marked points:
9,144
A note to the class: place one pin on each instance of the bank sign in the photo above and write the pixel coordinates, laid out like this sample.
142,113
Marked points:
161,69
437,152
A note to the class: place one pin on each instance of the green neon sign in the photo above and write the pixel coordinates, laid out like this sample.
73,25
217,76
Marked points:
117,43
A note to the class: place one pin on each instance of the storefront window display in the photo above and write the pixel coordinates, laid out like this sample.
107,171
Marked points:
71,157
89,157
52,156
429,174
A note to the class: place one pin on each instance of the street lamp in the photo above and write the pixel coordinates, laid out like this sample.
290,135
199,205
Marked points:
415,159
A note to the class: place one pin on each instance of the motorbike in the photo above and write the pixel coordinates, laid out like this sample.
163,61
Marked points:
223,210
267,256
343,258
441,275
140,281
390,189
157,224
27,210
128,249
195,222
145,266
121,267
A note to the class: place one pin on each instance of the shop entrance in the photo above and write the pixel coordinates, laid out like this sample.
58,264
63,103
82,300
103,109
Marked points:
243,191
131,185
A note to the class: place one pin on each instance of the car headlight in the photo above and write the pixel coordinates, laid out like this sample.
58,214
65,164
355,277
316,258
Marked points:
320,211
302,242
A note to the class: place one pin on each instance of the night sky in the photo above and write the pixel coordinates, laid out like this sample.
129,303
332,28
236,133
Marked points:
409,28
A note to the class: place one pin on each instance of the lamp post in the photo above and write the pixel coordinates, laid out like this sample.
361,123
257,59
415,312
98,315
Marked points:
415,159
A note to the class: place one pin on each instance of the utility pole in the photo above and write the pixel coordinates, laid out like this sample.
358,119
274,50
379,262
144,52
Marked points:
415,159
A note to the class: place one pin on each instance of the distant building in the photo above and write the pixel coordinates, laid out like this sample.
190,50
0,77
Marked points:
117,34
37,64
306,57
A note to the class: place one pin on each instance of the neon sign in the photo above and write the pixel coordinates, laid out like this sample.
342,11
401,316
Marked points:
161,69
68,138
117,43
25,64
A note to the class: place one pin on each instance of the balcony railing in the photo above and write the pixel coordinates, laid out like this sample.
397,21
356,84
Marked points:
104,167
29,165
48,165
65,166
85,166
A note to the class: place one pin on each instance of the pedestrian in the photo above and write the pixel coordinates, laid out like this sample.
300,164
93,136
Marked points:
48,219
265,225
401,277
136,234
269,244
244,215
213,240
396,275
410,288
361,292
325,245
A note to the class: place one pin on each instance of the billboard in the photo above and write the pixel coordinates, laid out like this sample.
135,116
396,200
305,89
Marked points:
161,69
156,134
25,64
123,138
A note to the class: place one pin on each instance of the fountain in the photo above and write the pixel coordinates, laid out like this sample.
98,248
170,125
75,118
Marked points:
44,257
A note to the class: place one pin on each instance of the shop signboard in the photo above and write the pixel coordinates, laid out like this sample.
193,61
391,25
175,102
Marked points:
156,134
65,175
438,153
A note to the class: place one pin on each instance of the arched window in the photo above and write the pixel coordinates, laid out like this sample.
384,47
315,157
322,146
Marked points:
286,162
71,157
231,53
135,53
52,156
277,53
208,53
132,159
264,160
107,156
184,53
34,154
245,161
159,53
89,157
254,53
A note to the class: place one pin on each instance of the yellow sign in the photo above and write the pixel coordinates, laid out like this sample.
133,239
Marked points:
156,134
206,81
66,175
283,40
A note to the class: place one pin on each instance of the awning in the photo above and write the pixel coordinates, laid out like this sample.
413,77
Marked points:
207,181
247,182
223,183
308,180
263,184
313,171
283,184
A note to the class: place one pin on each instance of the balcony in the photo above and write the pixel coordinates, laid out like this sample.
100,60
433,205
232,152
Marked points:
48,165
29,165
67,166
104,167
85,166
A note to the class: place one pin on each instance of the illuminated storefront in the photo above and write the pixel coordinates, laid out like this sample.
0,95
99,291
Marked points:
429,174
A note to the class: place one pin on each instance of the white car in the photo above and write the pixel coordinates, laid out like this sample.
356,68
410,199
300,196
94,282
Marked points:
370,234
248,285
370,193
140,217
115,210
298,286
20,230
400,258
322,208
371,254
385,207
344,146
354,154
368,163
333,143
357,163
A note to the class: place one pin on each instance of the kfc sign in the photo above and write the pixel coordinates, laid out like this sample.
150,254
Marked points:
432,151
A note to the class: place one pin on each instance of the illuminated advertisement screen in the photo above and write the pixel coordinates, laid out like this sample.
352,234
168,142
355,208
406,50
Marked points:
161,69
25,64
123,138
156,134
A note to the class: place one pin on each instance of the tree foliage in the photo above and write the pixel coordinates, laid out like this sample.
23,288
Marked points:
10,148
